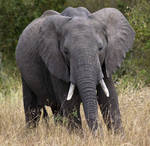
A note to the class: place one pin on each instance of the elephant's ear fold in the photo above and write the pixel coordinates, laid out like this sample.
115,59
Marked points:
120,36
49,46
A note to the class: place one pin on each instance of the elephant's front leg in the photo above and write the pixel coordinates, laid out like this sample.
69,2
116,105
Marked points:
75,118
109,106
71,111
57,113
66,109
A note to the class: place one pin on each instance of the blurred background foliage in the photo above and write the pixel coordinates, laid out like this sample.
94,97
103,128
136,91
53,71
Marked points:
15,15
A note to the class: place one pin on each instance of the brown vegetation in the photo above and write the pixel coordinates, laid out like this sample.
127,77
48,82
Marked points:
134,106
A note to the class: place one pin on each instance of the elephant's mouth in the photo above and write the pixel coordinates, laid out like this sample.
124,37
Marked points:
72,87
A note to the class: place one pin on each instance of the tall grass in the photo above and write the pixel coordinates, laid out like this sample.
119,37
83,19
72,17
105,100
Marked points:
134,106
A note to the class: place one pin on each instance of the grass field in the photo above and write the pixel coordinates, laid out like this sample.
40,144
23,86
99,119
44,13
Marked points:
134,106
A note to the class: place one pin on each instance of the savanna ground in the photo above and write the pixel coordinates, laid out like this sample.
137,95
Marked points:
134,107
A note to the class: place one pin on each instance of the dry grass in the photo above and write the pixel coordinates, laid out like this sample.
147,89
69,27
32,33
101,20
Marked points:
135,111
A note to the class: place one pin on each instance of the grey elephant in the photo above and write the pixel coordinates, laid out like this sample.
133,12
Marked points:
69,58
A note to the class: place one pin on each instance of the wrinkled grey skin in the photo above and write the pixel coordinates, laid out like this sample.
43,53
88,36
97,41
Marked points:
54,51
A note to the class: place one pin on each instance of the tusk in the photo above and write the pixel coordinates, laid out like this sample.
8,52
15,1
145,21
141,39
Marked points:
71,91
103,85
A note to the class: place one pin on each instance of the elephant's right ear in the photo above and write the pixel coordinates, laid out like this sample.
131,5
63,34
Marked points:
49,46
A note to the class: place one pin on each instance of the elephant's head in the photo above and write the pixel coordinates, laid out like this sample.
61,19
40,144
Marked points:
74,49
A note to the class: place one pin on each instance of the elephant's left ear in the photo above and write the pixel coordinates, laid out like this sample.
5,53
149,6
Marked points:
120,36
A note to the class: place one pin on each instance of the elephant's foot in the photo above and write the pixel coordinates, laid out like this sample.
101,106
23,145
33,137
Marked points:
32,117
117,129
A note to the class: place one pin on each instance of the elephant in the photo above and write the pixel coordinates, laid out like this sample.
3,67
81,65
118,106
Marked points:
66,59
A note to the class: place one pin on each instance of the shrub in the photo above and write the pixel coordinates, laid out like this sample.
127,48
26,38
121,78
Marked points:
137,63
15,15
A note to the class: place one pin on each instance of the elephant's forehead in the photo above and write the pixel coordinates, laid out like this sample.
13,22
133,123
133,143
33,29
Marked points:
79,22
79,25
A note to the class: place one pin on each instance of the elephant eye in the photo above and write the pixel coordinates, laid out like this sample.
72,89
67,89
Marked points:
100,48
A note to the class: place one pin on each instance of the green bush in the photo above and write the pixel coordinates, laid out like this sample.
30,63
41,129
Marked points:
137,63
15,15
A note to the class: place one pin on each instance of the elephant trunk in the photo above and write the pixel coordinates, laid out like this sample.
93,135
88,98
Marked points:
86,83
86,73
